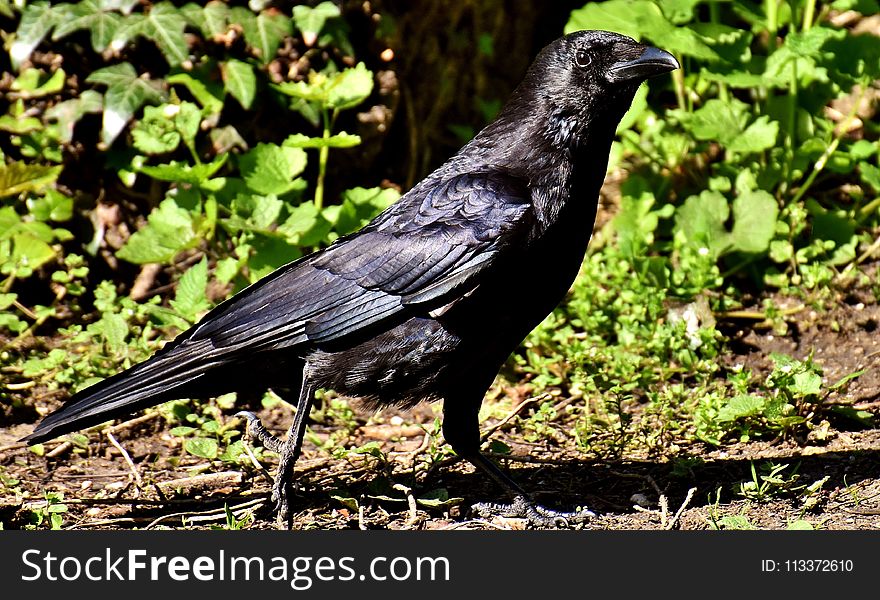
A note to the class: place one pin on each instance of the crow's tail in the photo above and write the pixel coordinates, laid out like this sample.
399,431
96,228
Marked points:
168,375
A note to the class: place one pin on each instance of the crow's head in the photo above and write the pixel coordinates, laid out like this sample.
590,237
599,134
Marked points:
589,78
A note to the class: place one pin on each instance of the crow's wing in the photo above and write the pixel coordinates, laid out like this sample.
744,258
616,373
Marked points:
427,249
423,250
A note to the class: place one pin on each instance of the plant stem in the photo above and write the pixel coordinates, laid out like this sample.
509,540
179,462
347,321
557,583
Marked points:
772,7
323,154
832,147
678,83
809,15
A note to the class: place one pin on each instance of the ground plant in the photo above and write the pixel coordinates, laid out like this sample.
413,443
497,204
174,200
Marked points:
156,157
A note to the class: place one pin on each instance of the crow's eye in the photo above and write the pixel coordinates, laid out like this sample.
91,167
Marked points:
582,58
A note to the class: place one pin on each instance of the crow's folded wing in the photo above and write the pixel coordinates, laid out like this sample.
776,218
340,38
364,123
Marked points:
422,251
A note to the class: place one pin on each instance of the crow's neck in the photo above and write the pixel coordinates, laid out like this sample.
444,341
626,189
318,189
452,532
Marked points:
560,157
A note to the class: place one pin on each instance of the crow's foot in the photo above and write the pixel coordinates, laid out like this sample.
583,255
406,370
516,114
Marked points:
523,507
282,488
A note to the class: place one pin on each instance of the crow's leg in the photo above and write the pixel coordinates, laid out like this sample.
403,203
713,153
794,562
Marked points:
288,450
461,430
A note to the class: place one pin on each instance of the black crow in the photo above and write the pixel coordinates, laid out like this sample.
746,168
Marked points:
429,299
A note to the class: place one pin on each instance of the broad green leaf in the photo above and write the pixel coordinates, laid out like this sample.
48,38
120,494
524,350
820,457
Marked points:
240,81
32,84
759,136
350,87
11,322
678,11
212,103
183,172
256,212
29,253
187,118
212,19
37,21
741,406
271,169
18,177
807,383
718,121
640,19
870,175
126,93
168,231
305,226
155,133
69,112
701,219
340,140
204,447
191,299
310,21
754,221
54,206
114,330
164,25
93,16
263,32
6,300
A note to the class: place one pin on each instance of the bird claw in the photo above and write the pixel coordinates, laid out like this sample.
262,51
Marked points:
256,431
282,486
523,507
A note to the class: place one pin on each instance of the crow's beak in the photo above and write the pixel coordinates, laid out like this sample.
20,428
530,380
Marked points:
652,62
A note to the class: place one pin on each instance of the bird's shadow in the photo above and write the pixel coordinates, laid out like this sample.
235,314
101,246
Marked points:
610,486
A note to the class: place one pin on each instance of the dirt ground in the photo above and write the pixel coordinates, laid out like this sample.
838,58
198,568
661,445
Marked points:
689,487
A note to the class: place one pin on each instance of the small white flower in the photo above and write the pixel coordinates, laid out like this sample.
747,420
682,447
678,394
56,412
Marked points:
170,110
703,251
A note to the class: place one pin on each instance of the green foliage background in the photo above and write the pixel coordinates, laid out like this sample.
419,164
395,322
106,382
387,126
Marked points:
130,142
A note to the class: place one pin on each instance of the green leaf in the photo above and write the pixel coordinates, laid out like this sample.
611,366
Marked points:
701,219
754,221
114,330
37,21
126,93
310,21
155,133
271,169
256,212
164,25
741,406
69,112
240,81
305,226
640,19
182,430
212,19
807,383
169,230
340,140
93,16
759,136
54,206
12,322
718,121
29,253
199,90
19,177
183,172
33,84
264,32
191,297
203,447
350,87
